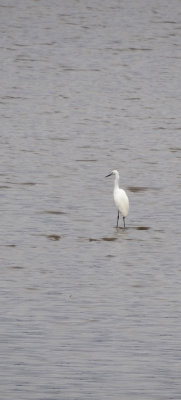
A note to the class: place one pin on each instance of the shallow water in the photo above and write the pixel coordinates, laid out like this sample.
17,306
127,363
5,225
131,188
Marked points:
89,311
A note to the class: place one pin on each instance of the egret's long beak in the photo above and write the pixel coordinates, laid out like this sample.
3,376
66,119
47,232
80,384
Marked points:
108,175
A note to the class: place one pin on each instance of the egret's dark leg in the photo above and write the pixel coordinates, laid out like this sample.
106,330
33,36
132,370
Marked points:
117,220
124,222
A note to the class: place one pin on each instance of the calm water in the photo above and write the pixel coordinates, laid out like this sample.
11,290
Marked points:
89,311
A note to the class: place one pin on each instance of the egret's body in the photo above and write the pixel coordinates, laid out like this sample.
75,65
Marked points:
120,198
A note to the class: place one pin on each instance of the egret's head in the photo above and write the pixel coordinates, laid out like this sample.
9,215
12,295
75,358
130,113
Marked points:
114,172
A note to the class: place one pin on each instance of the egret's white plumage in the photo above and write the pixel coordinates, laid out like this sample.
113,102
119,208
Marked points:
120,197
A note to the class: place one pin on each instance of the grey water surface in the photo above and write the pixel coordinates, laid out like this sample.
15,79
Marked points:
89,311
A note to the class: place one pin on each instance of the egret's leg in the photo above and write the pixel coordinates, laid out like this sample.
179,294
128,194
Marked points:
124,222
117,220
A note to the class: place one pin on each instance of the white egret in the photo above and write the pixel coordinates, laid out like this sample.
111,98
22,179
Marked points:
120,197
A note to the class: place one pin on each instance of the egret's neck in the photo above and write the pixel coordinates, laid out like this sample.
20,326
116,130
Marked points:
116,181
